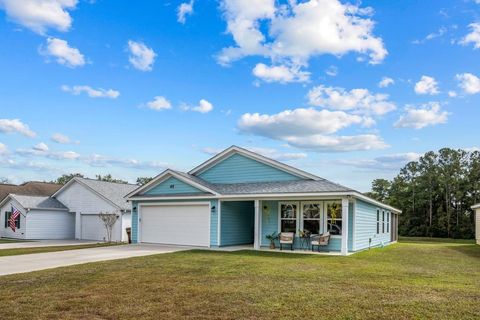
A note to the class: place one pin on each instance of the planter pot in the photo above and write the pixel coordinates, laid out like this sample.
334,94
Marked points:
272,245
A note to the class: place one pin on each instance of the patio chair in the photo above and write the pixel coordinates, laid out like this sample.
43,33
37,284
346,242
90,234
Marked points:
286,238
318,240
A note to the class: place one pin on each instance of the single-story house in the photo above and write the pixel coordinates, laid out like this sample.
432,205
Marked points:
87,198
476,209
41,217
239,197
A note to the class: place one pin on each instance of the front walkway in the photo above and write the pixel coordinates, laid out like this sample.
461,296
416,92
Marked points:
41,261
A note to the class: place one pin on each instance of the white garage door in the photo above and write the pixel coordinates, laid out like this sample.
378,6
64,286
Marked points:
92,228
176,224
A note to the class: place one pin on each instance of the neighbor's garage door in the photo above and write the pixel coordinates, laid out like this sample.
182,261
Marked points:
92,228
176,224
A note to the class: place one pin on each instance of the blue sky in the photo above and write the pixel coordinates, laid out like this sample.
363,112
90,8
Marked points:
133,87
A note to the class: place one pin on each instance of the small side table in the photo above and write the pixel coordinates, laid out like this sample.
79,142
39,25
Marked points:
305,243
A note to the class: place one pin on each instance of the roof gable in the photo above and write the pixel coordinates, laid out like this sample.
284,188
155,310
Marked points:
171,182
238,165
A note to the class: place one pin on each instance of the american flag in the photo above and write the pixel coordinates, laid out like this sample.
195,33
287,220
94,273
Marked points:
15,214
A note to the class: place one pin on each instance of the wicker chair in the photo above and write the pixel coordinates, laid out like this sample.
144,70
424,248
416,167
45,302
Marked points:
286,238
318,240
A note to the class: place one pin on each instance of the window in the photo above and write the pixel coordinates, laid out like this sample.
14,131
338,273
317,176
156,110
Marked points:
383,221
7,218
334,218
288,217
388,222
378,221
311,215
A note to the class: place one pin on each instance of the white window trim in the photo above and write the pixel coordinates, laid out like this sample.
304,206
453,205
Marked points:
338,236
321,221
297,225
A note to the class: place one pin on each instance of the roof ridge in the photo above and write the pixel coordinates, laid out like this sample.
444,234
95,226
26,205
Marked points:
96,180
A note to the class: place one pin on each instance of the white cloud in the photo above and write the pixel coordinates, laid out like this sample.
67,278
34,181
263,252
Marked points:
426,115
452,94
16,126
473,37
40,15
159,103
427,85
280,73
310,129
141,57
42,150
322,143
3,149
62,139
358,100
91,92
386,82
185,9
297,122
97,160
332,71
267,152
439,33
203,107
63,53
298,30
41,147
469,83
390,162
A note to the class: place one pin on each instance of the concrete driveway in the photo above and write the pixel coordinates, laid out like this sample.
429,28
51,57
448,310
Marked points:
49,260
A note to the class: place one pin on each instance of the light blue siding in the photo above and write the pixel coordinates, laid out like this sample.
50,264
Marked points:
213,219
237,223
238,168
270,225
366,226
172,186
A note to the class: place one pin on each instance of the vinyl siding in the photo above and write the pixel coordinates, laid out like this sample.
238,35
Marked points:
270,225
45,224
237,221
238,168
213,218
179,187
366,226
7,232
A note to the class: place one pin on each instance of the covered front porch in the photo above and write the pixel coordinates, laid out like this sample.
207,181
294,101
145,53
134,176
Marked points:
248,222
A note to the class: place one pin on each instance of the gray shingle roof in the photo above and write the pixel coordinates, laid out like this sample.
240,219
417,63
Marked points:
38,202
114,192
298,186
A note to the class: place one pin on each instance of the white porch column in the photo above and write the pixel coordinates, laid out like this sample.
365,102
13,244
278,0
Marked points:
78,225
257,226
344,226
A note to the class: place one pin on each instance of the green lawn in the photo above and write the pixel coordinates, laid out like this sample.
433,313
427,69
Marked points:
18,251
3,240
411,280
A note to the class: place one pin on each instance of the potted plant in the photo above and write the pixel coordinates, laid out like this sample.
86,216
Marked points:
272,237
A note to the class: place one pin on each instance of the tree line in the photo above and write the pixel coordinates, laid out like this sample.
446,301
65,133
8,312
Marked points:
435,194
64,178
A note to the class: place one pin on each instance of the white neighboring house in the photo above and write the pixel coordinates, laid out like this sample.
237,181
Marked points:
476,209
86,198
41,218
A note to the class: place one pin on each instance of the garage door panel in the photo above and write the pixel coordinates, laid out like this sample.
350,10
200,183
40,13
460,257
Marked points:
176,224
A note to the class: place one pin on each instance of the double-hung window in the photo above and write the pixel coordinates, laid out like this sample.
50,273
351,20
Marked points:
378,221
334,217
288,217
383,221
388,222
311,215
